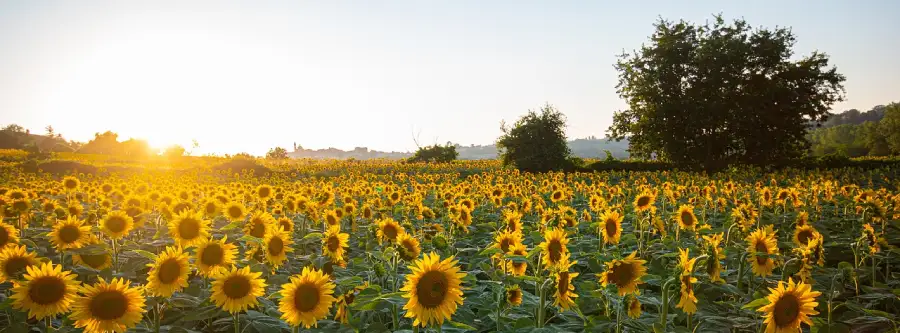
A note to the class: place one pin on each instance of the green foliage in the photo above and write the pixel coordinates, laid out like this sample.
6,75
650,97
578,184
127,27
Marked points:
174,151
879,137
277,153
719,93
435,153
536,142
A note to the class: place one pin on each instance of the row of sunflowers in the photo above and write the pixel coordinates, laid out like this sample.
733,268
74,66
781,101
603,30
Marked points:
434,249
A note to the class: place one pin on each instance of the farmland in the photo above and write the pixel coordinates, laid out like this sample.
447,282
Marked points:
465,246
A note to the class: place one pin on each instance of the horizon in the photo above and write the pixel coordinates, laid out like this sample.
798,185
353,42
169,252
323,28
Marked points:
250,76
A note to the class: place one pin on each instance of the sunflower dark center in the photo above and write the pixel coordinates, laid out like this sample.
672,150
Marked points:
180,207
786,310
432,289
643,201
761,248
622,274
276,246
804,236
265,192
189,228
210,207
235,212
15,266
504,244
390,231
108,305
285,224
258,230
562,285
554,250
212,255
4,237
557,195
169,271
306,297
514,296
611,227
333,243
47,290
115,224
687,218
331,219
236,287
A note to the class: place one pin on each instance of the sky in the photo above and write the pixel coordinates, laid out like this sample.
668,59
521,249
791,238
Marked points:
246,76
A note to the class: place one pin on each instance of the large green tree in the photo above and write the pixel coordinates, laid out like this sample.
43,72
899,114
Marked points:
536,142
721,93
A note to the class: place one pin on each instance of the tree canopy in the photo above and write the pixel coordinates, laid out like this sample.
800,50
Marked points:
722,93
435,153
536,142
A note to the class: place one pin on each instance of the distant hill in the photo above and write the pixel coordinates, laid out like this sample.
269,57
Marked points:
854,117
590,147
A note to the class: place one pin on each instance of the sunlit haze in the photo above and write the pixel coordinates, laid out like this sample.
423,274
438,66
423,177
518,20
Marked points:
248,76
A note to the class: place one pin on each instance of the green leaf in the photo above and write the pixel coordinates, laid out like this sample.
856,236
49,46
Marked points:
490,251
462,326
313,236
146,254
755,304
232,225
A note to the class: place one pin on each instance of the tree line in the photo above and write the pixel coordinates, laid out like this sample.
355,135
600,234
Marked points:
854,134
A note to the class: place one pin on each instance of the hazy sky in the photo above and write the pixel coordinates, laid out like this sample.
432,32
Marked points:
249,75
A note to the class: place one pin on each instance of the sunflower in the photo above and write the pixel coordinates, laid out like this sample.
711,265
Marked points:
409,247
513,220
634,307
214,255
789,306
108,306
871,238
611,226
236,290
762,241
9,236
688,301
211,208
686,218
278,244
802,218
644,201
13,262
803,234
117,224
334,243
70,183
433,290
554,247
463,218
331,218
514,295
169,273
626,274
388,230
505,240
235,211
97,261
713,264
565,291
517,268
259,224
46,291
287,224
188,228
264,192
307,298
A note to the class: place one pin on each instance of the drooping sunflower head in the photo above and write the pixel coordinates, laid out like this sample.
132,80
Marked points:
307,298
514,295
433,290
388,230
169,273
789,305
117,224
112,306
803,234
634,307
13,262
9,236
237,290
189,228
686,218
625,274
278,245
611,226
554,247
97,260
214,255
334,243
565,295
408,246
46,291
685,262
802,218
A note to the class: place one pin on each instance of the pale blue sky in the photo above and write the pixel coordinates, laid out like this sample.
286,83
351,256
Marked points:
250,75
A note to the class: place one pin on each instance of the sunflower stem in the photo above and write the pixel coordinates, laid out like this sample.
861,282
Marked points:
873,271
665,302
237,323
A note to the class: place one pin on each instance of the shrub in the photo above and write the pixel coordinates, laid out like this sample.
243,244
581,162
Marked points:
536,142
435,153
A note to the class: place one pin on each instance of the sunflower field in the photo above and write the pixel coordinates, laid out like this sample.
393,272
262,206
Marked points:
455,247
